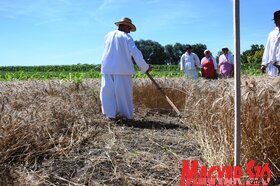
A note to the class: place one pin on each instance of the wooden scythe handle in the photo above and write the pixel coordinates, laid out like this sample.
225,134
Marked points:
162,92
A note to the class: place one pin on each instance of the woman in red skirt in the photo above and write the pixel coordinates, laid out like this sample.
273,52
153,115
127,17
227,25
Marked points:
208,66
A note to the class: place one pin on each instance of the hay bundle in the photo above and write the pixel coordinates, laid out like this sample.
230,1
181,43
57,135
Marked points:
146,94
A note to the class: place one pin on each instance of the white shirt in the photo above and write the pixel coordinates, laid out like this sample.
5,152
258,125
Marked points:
118,50
272,52
189,61
226,57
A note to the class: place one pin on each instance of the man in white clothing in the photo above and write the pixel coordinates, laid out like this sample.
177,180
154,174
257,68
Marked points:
117,69
271,55
189,63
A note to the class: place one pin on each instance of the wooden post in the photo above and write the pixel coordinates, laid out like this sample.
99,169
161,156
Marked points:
237,128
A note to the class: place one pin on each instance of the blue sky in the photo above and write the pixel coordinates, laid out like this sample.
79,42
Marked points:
57,32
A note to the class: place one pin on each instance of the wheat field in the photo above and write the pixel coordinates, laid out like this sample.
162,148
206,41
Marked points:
53,132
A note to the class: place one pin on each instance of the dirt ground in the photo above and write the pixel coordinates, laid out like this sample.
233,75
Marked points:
148,151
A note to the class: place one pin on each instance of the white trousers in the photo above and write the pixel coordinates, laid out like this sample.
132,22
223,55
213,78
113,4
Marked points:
191,74
116,95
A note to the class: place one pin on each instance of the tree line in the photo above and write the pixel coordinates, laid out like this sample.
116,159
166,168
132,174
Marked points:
154,53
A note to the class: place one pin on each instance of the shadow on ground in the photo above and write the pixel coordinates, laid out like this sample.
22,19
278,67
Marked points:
147,124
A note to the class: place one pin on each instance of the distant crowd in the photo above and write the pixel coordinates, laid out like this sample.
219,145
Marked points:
207,66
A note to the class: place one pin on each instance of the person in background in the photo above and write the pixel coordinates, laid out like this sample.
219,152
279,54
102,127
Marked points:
117,69
226,63
189,63
271,55
208,66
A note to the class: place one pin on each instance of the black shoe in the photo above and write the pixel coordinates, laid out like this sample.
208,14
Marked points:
110,120
122,120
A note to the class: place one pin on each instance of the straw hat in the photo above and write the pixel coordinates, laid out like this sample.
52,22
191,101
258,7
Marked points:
128,22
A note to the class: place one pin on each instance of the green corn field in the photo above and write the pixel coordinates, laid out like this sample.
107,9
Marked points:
85,71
